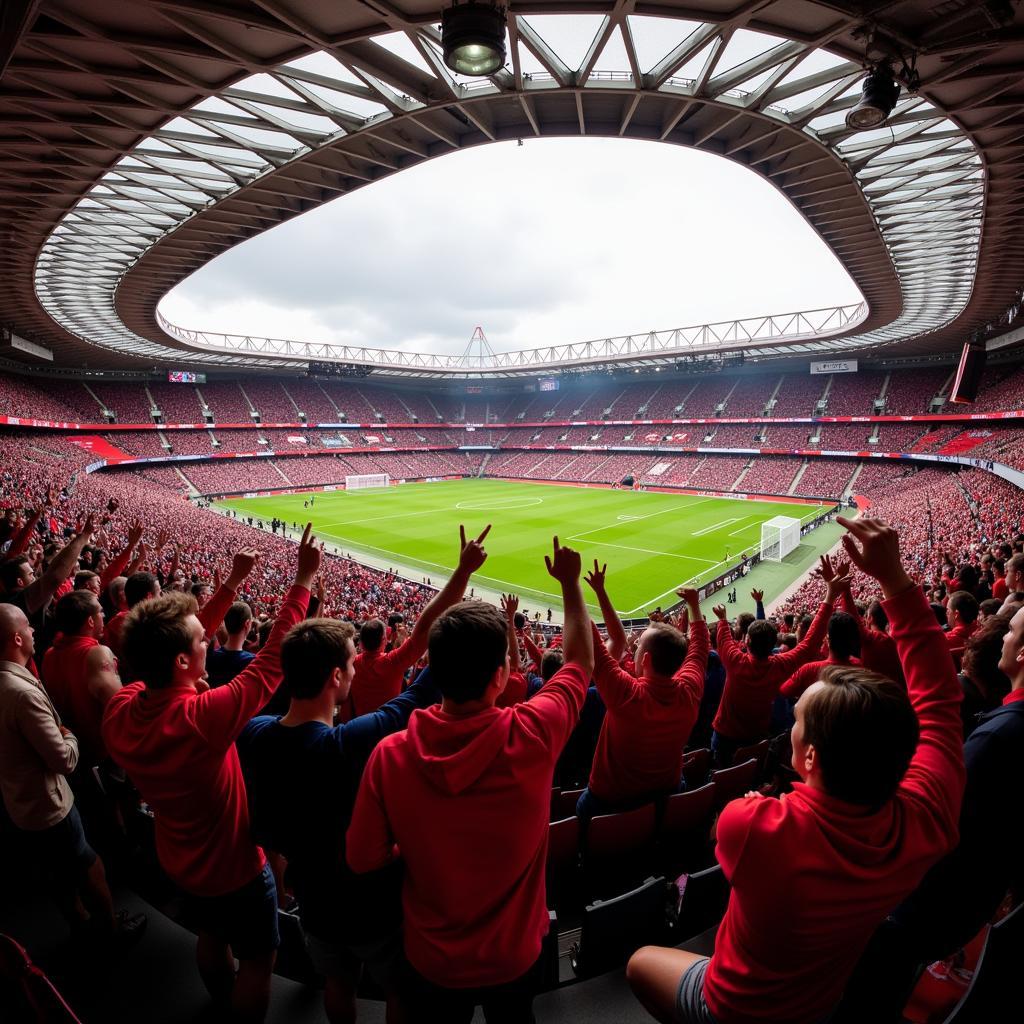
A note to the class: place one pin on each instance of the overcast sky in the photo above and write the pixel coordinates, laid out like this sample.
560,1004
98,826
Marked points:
555,241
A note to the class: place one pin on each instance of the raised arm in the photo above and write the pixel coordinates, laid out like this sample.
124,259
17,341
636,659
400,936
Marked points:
614,683
613,626
471,556
936,772
555,709
510,605
222,713
211,615
532,649
120,561
691,673
38,594
725,643
577,645
836,577
24,535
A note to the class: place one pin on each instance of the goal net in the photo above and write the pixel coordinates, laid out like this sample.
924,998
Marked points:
779,536
364,480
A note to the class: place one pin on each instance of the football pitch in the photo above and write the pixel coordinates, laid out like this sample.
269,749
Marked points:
652,542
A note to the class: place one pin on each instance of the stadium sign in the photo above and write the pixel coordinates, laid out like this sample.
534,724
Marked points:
835,366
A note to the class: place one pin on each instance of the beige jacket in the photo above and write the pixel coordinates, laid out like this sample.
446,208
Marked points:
34,756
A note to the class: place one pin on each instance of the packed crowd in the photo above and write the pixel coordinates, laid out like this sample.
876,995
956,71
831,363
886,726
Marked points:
902,392
288,741
383,754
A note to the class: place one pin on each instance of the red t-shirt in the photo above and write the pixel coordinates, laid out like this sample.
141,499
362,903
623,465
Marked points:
999,588
648,721
178,747
466,800
752,684
958,636
812,877
378,676
64,677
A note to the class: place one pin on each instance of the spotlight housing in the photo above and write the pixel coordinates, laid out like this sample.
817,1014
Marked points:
473,38
878,96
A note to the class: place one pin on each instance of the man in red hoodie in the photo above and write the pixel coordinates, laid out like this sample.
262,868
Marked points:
648,719
464,793
814,872
753,676
176,739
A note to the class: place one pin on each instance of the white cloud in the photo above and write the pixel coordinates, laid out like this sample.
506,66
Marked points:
558,240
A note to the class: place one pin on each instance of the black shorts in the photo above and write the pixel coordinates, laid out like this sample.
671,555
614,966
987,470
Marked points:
246,919
62,849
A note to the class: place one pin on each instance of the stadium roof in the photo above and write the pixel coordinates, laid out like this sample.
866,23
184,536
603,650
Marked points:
141,138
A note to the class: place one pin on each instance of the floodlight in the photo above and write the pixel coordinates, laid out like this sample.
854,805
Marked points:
878,96
473,38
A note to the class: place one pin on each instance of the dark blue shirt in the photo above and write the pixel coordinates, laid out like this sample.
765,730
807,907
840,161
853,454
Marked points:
302,782
222,665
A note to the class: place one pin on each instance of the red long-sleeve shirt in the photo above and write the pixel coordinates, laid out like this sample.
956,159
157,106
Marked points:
466,798
807,675
378,675
648,721
877,648
178,747
751,684
812,876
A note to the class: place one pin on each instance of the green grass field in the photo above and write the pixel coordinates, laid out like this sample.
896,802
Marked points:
652,542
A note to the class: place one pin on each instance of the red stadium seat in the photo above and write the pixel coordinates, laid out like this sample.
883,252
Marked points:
733,782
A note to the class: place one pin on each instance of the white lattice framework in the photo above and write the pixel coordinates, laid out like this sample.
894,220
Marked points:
920,175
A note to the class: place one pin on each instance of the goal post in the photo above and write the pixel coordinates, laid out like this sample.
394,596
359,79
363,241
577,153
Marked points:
779,536
362,481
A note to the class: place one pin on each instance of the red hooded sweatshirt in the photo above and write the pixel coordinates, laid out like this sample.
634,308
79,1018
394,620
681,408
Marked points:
178,747
812,877
640,748
466,799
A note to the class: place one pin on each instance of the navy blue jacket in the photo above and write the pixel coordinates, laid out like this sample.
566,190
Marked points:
962,892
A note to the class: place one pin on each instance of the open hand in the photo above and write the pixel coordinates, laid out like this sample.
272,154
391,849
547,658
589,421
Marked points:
757,595
720,613
509,605
878,552
471,553
310,555
595,577
564,564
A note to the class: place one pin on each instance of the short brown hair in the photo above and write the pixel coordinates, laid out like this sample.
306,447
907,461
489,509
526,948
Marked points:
964,604
864,731
237,617
371,634
468,644
155,632
666,647
73,610
310,652
762,636
982,653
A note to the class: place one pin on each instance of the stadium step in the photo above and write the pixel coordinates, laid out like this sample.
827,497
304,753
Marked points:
796,480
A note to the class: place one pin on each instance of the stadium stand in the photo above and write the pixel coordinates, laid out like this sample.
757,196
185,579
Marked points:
179,403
